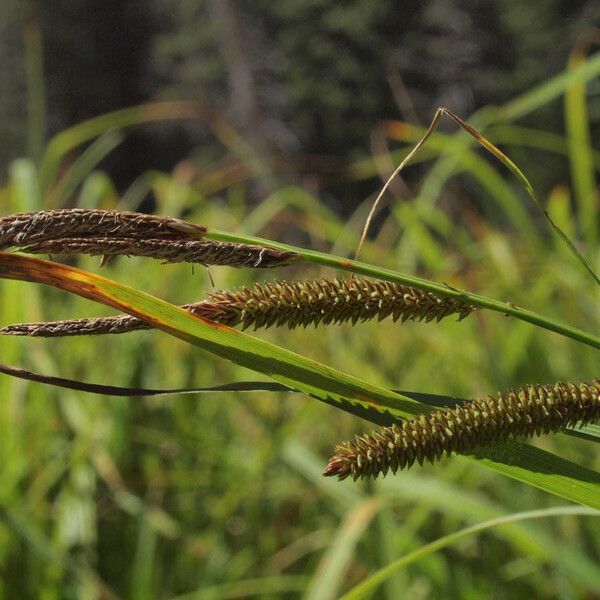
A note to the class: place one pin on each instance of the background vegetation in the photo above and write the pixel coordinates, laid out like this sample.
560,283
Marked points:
220,496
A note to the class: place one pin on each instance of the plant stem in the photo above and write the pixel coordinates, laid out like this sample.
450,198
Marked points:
344,264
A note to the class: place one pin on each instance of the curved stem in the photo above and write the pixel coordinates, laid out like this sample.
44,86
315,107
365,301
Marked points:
368,586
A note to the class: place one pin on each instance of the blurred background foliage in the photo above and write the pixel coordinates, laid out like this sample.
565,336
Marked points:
298,110
307,79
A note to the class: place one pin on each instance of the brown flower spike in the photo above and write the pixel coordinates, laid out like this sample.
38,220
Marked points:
523,412
27,228
205,252
110,233
295,304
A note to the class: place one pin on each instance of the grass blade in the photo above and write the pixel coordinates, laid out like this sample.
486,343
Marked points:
547,91
83,166
581,153
496,152
371,584
288,368
352,266
328,575
67,140
526,184
519,461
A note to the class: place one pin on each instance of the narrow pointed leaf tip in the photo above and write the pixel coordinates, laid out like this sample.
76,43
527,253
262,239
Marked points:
283,304
523,412
501,157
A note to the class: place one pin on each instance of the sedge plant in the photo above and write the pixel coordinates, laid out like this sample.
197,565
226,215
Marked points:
365,292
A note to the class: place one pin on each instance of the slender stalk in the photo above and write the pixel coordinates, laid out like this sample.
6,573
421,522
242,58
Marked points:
512,167
369,585
353,266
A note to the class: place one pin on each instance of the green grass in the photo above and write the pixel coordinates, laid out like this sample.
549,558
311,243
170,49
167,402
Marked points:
220,495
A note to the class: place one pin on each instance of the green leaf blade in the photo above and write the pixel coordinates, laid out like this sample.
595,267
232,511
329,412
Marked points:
519,461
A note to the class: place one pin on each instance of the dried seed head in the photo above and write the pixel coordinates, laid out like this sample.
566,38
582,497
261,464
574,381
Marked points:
111,233
69,327
206,252
295,304
27,228
524,412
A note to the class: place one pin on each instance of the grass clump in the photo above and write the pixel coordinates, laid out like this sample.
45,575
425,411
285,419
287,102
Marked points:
229,493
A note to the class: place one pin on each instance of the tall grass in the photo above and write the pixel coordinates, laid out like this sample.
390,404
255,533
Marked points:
222,496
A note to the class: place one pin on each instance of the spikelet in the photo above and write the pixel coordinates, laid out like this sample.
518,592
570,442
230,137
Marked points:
523,412
326,301
27,228
205,252
280,304
111,233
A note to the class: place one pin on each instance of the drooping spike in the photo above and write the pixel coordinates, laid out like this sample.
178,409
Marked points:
524,412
